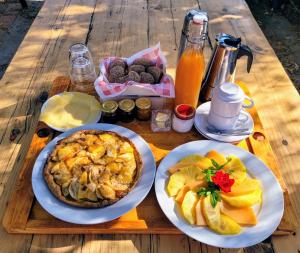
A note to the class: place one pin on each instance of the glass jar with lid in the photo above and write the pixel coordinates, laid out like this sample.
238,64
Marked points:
143,108
109,111
126,110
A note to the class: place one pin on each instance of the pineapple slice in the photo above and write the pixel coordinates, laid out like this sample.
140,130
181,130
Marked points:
236,169
218,222
245,187
191,160
188,207
182,177
245,200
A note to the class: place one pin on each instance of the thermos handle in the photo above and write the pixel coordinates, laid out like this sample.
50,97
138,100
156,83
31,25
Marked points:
246,51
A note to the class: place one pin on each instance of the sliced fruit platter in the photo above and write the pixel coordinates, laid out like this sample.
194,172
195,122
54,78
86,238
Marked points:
215,191
219,194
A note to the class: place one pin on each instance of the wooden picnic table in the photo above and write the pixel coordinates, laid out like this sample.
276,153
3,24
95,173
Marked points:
118,27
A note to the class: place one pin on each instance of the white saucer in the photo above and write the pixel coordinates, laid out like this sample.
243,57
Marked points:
201,125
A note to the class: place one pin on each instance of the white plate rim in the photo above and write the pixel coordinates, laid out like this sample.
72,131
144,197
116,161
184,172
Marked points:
87,216
268,218
230,139
66,129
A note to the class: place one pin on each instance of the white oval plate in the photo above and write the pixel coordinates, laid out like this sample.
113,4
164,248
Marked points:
79,215
59,129
272,206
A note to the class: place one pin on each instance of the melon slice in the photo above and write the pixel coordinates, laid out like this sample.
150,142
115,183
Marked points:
200,220
188,207
243,216
193,185
219,158
181,194
245,200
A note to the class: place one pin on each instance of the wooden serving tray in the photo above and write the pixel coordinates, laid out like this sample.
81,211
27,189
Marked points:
25,215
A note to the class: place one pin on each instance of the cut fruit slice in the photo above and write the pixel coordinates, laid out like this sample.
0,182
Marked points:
200,220
181,194
243,216
236,169
245,187
191,160
211,214
243,200
218,222
188,207
228,226
176,182
182,177
194,185
219,158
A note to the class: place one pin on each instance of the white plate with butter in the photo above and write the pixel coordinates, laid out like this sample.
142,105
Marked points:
67,110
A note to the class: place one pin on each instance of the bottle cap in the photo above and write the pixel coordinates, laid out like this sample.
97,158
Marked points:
126,105
109,106
143,103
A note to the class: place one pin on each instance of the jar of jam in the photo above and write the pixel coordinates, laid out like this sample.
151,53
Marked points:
183,118
126,110
109,111
143,108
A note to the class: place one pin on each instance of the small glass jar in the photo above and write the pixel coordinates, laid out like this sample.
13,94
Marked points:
109,112
161,120
126,110
143,108
183,118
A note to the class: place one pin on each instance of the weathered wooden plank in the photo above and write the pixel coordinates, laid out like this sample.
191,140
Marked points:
56,243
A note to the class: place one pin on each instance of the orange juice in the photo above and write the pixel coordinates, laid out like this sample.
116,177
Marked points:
189,74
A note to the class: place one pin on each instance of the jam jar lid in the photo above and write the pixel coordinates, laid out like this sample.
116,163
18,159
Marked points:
184,111
109,106
143,103
126,105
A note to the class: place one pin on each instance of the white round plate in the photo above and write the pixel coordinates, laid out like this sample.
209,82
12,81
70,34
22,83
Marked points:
95,120
79,215
201,125
272,205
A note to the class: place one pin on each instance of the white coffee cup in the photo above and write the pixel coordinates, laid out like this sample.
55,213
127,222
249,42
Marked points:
226,106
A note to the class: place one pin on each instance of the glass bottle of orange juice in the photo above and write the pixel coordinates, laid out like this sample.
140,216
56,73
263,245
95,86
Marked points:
191,66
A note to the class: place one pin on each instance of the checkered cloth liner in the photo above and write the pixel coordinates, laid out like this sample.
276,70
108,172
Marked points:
109,90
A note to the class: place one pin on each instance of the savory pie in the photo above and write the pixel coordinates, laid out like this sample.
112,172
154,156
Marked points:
92,168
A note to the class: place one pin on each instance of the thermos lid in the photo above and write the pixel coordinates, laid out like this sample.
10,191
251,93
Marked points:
230,92
200,18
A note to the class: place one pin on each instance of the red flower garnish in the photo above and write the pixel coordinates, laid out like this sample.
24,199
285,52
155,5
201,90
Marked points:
223,181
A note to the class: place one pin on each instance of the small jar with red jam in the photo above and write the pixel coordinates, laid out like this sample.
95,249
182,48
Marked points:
183,118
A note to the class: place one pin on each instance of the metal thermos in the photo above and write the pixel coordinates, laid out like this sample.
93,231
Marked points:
222,65
188,19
